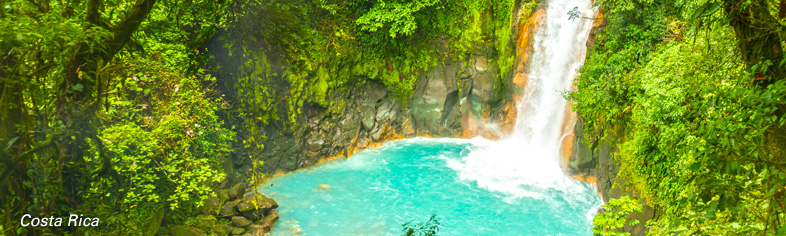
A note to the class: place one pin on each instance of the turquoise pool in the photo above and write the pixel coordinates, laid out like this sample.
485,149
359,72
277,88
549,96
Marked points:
475,187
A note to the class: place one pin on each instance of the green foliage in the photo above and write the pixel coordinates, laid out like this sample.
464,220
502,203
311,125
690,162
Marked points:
428,228
702,139
135,137
335,43
615,215
172,152
397,17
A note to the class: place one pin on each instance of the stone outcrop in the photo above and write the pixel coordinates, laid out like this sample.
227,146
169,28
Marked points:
246,211
590,158
594,158
454,98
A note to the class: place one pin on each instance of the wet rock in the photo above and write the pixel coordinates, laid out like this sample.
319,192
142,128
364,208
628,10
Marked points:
238,230
427,108
376,134
183,230
237,190
251,212
265,225
407,128
314,143
153,223
253,215
271,218
483,86
223,195
387,111
245,206
368,118
226,210
222,230
372,93
324,186
257,229
481,65
240,221
263,202
290,164
211,205
206,222
348,130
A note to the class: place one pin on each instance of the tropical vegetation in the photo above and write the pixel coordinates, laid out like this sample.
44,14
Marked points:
114,109
693,95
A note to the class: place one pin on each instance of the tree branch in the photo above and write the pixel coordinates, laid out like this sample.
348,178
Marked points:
93,17
122,33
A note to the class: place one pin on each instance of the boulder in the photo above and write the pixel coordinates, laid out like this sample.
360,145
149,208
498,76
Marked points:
245,206
238,230
240,221
271,218
314,142
253,215
211,205
222,230
290,163
481,65
237,190
258,230
372,93
347,130
183,230
376,134
248,210
428,101
206,222
387,111
226,210
223,195
367,118
483,86
263,202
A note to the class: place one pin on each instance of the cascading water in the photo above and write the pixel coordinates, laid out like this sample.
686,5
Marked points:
530,156
476,187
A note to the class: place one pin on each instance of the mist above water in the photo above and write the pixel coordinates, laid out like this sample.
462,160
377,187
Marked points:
514,186
529,157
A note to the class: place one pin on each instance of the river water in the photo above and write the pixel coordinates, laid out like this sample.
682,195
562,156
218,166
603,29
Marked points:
513,186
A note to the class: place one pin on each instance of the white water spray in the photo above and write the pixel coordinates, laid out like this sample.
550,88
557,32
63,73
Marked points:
527,163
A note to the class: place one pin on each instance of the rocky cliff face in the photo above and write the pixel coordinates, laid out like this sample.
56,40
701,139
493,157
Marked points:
592,158
455,98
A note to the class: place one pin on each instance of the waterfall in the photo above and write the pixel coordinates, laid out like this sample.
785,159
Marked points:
526,164
513,186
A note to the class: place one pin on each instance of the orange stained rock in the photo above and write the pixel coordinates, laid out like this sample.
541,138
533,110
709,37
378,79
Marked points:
598,21
567,149
589,179
527,30
520,80
473,126
388,135
568,123
509,122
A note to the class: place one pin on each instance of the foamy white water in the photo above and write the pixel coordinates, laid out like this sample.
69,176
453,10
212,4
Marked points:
477,187
528,161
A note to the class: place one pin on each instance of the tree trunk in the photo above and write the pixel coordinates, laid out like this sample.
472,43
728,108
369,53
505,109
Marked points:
13,194
757,37
782,9
80,93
